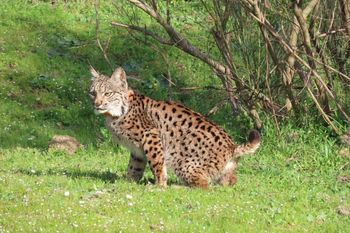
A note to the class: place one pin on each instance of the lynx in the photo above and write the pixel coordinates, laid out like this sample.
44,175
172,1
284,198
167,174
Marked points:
167,135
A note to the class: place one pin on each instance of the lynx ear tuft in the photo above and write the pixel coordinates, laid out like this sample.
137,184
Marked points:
119,77
119,74
93,72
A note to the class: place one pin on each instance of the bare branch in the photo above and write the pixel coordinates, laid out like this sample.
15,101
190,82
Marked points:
346,14
103,50
168,11
308,48
144,31
331,32
324,115
154,4
177,39
214,109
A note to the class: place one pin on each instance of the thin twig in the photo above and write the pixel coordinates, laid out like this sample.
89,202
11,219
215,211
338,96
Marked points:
145,31
216,108
103,50
331,32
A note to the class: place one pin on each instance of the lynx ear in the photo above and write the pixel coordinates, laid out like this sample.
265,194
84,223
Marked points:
93,72
119,77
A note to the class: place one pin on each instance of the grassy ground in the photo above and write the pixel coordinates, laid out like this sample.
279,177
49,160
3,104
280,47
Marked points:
286,187
293,184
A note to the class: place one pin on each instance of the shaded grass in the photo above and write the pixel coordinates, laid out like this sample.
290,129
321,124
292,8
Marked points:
43,75
45,51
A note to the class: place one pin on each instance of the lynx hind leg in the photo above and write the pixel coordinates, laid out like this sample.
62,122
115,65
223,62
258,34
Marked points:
136,167
228,177
199,181
195,178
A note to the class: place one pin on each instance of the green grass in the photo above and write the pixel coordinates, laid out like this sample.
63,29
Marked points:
286,187
290,185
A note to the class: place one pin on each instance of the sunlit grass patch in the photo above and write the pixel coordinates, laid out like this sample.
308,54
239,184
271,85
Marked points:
88,192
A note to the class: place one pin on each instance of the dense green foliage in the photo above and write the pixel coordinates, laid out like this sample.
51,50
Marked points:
289,185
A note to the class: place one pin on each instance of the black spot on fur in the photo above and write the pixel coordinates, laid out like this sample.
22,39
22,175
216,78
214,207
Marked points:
186,112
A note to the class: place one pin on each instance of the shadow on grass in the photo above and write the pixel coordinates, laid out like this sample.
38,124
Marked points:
105,176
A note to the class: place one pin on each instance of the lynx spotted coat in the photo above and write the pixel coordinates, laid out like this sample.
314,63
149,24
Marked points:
166,135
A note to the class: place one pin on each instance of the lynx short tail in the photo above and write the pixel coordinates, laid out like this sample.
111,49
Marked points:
251,146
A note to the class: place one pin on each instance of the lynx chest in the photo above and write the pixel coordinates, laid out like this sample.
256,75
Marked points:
123,134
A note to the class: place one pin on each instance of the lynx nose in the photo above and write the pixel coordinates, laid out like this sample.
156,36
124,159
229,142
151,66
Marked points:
98,104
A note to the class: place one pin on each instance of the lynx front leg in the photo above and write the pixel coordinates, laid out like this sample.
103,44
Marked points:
136,167
154,153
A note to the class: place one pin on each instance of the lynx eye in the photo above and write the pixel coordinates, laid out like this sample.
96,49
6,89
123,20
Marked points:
108,94
92,94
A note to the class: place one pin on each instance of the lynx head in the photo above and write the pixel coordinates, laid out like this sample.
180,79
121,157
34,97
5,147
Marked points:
110,95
